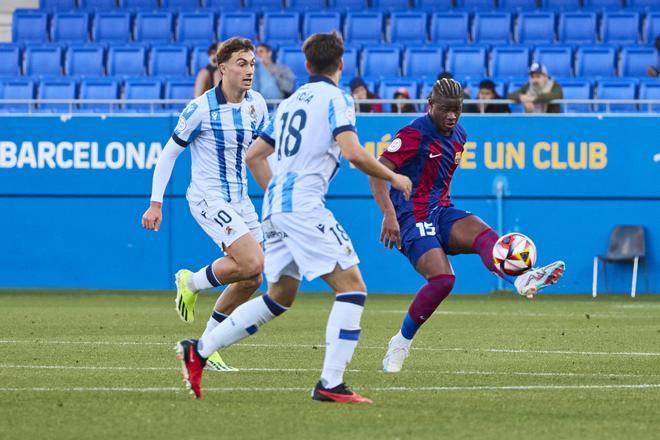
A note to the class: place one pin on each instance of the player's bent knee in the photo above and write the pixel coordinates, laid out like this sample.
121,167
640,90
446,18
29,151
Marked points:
253,283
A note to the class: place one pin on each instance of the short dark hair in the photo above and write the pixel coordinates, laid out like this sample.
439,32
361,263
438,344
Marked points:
213,49
265,46
229,47
447,88
323,52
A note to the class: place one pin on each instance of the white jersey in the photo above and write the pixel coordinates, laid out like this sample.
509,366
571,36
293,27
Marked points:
219,134
306,155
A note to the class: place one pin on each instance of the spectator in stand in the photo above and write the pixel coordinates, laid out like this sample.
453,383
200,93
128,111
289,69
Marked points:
402,93
280,72
536,95
654,71
265,83
209,76
359,90
486,92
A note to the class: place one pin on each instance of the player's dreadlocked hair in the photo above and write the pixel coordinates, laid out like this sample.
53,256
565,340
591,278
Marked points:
447,88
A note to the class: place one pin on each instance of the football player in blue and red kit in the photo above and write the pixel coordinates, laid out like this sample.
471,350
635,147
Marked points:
427,228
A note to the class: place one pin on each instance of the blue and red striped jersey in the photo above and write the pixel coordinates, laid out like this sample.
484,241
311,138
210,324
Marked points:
429,159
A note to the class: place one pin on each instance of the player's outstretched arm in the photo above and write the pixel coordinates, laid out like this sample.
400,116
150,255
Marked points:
153,216
390,234
257,161
365,162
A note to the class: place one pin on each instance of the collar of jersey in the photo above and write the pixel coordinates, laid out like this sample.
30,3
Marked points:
221,96
321,78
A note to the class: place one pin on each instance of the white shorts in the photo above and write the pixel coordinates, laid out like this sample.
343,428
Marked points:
308,244
227,222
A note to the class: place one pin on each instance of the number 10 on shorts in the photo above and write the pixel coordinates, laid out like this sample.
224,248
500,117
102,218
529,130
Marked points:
425,229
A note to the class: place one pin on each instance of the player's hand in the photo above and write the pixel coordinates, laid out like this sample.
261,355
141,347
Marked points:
153,217
403,184
390,234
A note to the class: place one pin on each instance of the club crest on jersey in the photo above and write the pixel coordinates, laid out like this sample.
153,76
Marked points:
457,157
229,230
394,146
253,112
181,125
350,113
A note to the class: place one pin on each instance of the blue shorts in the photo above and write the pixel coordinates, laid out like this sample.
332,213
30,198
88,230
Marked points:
419,237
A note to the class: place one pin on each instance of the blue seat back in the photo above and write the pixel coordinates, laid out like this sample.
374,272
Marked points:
112,27
223,5
380,61
10,60
509,61
561,5
388,87
492,27
19,88
263,5
145,5
433,5
237,23
57,5
350,62
314,22
390,5
466,61
364,27
635,60
128,60
576,88
294,58
649,89
652,27
617,89
475,5
620,28
199,59
536,28
85,60
193,28
182,5
281,28
29,26
577,27
602,5
98,88
43,60
642,5
595,61
348,5
449,28
153,27
557,59
142,88
306,5
425,61
408,27
169,61
61,88
517,5
179,89
98,5
70,27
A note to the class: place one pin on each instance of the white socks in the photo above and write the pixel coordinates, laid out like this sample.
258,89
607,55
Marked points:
243,322
341,336
203,279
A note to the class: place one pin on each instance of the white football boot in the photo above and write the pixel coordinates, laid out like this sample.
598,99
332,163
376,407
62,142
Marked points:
397,352
529,283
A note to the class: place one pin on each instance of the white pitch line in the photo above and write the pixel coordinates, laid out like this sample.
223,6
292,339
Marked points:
451,349
316,370
375,389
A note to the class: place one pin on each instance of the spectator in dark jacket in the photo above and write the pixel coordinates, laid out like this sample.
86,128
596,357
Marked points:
359,90
536,95
486,92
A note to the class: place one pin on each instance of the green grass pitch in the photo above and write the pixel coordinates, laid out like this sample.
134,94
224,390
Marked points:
96,365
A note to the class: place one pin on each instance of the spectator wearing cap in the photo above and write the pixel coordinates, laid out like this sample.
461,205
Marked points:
402,93
536,95
487,92
359,90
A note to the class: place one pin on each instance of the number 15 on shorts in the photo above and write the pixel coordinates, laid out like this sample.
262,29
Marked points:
425,229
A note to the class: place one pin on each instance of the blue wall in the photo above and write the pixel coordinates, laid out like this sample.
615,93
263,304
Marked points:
72,191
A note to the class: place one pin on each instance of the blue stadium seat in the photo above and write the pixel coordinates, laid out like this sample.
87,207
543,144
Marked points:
153,27
19,88
58,88
450,28
512,87
98,88
223,5
492,27
561,5
617,89
85,60
169,61
350,62
595,61
388,86
576,88
364,27
472,87
635,60
179,89
281,28
649,89
642,5
517,5
652,27
306,5
557,59
314,22
577,28
293,57
43,60
10,60
467,61
146,5
426,89
263,5
193,28
433,5
57,5
380,61
424,61
390,5
70,27
475,5
29,26
408,27
98,5
112,27
127,60
142,88
182,5
602,5
509,61
237,23
198,59
620,28
536,28
348,5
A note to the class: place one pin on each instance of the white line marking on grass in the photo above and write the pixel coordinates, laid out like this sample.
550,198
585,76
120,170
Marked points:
300,389
483,350
521,314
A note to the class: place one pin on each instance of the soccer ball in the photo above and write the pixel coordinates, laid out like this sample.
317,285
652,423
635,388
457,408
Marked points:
514,254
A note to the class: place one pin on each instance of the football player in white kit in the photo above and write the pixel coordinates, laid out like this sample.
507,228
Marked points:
218,127
307,136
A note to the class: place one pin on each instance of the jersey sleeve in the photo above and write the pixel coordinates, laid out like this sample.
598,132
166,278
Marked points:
404,146
189,125
268,133
341,114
